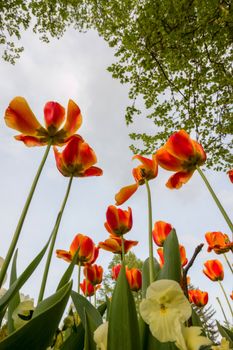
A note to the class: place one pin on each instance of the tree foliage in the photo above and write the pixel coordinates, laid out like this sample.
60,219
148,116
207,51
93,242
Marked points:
176,56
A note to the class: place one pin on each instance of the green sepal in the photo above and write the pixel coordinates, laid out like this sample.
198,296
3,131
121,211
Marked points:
38,333
15,300
123,332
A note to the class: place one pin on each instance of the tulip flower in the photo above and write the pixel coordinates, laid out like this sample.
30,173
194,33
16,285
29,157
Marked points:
77,159
180,154
183,257
160,232
119,221
95,256
219,242
19,116
231,295
93,274
148,170
230,174
87,288
134,278
197,297
113,244
85,247
214,270
115,271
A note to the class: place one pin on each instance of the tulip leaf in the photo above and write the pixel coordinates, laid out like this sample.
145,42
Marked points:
14,302
172,263
15,287
123,332
89,343
196,319
226,333
102,307
38,333
75,340
146,274
68,273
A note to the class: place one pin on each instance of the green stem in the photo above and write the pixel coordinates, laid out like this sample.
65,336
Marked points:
224,315
95,296
226,297
226,217
122,250
51,247
228,262
22,217
79,275
151,257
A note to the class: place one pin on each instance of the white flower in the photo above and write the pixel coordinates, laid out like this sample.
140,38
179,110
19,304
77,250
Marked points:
23,313
101,336
225,345
190,339
165,309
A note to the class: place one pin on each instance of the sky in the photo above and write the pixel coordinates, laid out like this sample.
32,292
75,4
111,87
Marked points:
75,67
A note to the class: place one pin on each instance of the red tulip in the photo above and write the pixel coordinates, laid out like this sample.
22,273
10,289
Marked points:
87,288
230,174
20,117
115,271
113,244
85,247
160,232
214,270
77,159
93,273
197,297
183,258
181,154
134,277
95,255
219,242
119,221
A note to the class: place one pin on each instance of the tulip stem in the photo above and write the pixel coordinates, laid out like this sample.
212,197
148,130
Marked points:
226,297
54,236
224,315
151,257
226,217
79,275
95,290
228,263
22,217
122,250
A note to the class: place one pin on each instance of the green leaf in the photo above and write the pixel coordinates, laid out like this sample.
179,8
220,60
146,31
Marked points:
89,343
172,264
38,333
15,287
14,302
68,273
226,333
196,319
123,332
146,274
75,340
102,307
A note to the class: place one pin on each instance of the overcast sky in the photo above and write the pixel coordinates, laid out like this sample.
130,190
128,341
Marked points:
75,67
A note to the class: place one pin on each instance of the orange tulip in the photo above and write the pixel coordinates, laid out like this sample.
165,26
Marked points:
197,297
183,258
160,232
231,295
214,270
181,154
134,278
113,244
19,116
119,221
148,170
230,174
93,273
115,271
219,242
77,159
87,288
85,247
95,255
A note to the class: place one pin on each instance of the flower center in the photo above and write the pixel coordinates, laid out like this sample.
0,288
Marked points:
163,308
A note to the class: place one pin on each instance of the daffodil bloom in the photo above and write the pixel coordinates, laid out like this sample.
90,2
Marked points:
225,345
165,309
19,116
191,339
180,154
23,313
101,336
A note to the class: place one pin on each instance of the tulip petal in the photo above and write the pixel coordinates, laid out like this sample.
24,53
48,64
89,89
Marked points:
178,179
180,145
19,116
199,152
63,254
74,118
31,141
54,114
92,171
148,163
125,193
167,161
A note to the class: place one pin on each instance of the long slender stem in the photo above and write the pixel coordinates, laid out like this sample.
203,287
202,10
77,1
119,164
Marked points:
226,217
22,217
95,296
122,250
79,275
224,315
228,263
51,247
151,257
226,297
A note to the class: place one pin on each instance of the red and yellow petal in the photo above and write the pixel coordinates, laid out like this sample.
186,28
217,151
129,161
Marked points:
230,174
199,152
86,156
19,116
31,141
71,151
63,254
128,244
180,145
54,115
74,118
92,171
168,161
125,193
178,179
